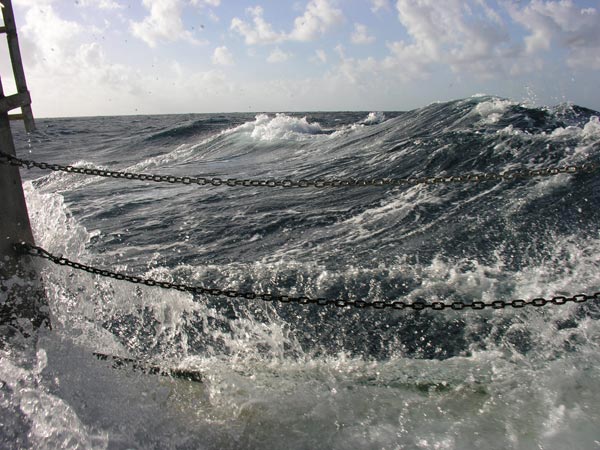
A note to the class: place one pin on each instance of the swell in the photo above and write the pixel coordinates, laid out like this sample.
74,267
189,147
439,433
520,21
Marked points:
459,242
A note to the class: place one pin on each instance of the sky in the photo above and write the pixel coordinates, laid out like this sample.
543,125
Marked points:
121,57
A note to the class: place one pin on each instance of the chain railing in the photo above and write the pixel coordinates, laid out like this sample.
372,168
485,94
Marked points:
304,300
320,183
508,175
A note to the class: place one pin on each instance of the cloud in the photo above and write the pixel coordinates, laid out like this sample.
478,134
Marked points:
70,74
222,57
163,24
471,37
48,37
100,4
410,61
353,70
259,32
361,35
582,58
466,36
72,70
376,5
564,24
277,56
65,73
319,16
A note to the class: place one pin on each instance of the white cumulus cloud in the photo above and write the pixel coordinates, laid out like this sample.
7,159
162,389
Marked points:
563,24
376,5
222,56
361,35
48,36
465,35
319,16
259,31
162,24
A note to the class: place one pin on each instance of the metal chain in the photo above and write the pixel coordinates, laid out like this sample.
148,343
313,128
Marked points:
303,300
508,175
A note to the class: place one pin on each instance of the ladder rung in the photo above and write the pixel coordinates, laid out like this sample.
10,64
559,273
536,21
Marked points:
22,99
14,101
16,117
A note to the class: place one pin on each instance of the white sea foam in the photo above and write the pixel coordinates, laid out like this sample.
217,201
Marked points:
510,130
48,421
54,227
590,131
491,111
373,118
281,126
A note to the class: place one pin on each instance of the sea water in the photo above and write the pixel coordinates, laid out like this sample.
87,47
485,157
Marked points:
307,377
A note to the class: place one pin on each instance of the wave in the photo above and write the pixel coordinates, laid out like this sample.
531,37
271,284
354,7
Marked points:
373,118
281,126
194,127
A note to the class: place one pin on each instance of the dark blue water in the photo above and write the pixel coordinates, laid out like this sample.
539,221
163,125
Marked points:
292,376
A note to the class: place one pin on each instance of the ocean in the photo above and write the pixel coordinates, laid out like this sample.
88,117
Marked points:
281,375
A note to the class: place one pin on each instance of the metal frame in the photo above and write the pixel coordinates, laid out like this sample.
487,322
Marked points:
21,99
23,304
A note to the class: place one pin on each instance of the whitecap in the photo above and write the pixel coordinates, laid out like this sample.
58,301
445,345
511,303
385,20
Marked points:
491,111
373,118
280,127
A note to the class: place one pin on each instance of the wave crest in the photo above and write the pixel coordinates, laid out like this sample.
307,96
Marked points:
374,118
280,127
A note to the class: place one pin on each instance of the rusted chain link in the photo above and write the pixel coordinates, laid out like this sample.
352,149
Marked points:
508,175
303,300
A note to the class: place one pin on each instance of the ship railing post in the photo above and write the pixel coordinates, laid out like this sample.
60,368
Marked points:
23,303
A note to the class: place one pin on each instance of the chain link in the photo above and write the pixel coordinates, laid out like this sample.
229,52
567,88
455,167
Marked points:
303,300
32,250
508,175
